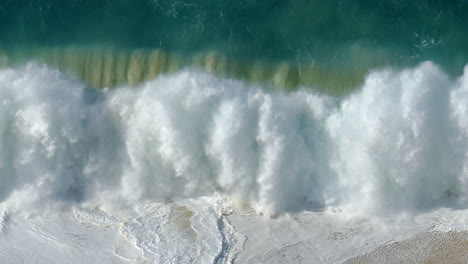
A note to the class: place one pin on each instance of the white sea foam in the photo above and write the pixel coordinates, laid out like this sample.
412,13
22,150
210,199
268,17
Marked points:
399,143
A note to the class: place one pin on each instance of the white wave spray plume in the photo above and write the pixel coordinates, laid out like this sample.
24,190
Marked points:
397,144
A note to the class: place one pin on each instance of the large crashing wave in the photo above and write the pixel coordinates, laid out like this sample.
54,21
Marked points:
399,143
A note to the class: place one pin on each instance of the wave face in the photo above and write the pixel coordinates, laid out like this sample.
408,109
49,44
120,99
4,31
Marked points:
398,144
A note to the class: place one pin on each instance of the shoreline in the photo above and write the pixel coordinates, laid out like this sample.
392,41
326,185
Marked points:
427,247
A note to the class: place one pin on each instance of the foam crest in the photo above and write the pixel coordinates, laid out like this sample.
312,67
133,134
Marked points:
397,143
400,143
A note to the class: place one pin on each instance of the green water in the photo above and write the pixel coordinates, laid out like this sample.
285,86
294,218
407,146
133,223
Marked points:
329,45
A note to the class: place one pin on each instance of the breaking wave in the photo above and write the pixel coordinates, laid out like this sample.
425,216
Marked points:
400,143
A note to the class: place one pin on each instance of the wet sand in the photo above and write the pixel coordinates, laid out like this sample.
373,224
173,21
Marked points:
432,247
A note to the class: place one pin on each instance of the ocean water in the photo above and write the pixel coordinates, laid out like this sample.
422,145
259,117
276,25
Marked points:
328,45
148,131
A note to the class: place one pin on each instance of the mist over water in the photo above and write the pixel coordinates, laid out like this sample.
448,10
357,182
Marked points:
397,144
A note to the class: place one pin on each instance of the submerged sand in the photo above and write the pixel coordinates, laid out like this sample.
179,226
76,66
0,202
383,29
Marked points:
432,247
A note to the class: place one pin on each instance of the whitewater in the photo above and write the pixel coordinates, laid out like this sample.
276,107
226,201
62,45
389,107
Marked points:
190,167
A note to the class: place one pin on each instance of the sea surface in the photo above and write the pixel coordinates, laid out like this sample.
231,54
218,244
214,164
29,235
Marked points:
152,131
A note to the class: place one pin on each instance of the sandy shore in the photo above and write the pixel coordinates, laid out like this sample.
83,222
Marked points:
432,247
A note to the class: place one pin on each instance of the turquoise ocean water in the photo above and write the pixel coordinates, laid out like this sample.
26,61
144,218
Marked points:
327,45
